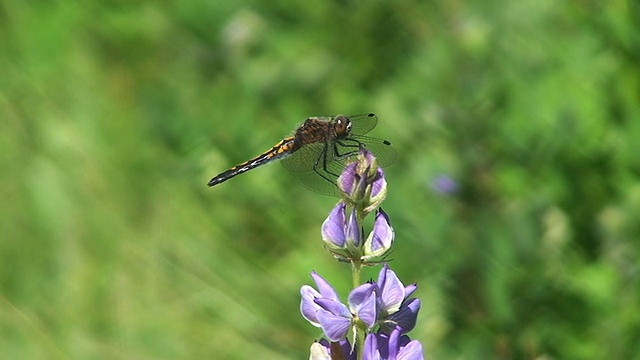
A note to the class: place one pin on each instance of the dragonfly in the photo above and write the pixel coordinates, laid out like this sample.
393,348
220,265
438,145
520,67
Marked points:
318,151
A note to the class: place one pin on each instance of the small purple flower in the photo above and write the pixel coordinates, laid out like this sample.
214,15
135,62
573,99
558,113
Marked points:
394,308
324,309
363,182
362,301
379,241
391,291
340,234
308,307
336,319
343,238
380,346
444,185
333,228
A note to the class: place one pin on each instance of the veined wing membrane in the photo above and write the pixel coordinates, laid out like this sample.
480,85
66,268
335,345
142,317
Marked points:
381,149
363,123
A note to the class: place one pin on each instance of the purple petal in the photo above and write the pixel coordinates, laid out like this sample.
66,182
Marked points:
347,180
360,295
382,275
335,327
333,226
379,184
383,344
370,351
308,307
354,233
324,287
368,157
391,290
394,347
382,231
412,351
335,307
407,316
362,301
409,289
368,313
380,239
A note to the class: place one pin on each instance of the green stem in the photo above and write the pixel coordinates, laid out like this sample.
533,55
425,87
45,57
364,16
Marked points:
356,266
360,334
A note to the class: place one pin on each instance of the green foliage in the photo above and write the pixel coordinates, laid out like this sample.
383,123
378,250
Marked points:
114,115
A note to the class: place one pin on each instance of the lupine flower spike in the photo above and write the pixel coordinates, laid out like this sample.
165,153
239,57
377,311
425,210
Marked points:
373,323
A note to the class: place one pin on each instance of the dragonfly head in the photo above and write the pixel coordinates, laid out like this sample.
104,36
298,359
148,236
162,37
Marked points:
342,126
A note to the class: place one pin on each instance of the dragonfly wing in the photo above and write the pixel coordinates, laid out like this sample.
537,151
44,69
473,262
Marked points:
304,158
314,182
363,123
381,149
316,167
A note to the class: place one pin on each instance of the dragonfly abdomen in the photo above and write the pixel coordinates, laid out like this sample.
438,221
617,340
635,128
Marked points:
280,150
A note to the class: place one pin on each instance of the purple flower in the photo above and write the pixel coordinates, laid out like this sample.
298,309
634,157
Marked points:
377,346
380,346
385,303
340,234
343,237
391,291
308,307
444,185
394,308
379,241
363,182
324,309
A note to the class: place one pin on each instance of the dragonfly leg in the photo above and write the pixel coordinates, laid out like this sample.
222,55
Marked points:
356,145
329,157
324,154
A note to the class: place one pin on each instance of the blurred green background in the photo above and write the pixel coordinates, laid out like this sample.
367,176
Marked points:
115,114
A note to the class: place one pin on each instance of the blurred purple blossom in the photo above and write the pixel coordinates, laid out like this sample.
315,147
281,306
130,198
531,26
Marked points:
444,185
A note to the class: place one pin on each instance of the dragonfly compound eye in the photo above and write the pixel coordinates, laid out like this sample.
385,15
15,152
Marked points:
342,125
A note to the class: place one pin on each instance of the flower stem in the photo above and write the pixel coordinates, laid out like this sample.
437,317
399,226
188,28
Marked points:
356,266
360,334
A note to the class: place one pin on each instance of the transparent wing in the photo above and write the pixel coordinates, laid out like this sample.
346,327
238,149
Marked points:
317,167
381,149
314,182
304,158
363,123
